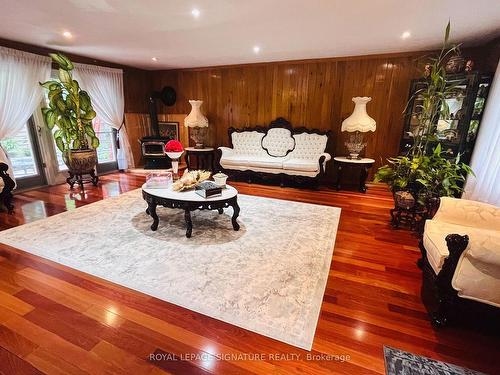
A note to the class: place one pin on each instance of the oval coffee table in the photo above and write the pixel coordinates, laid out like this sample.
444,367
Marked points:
190,201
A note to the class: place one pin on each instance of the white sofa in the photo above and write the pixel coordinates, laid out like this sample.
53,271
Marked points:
278,149
462,243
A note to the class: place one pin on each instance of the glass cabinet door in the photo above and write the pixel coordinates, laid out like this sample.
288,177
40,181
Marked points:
447,128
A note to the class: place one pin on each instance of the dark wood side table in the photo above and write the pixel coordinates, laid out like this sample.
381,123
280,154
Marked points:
364,165
204,158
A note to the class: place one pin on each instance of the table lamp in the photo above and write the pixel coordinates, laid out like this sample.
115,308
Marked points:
356,124
197,124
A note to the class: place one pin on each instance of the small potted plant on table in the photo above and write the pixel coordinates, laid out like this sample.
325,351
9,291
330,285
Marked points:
174,151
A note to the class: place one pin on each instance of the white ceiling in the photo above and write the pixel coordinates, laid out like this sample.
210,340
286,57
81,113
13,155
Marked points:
132,32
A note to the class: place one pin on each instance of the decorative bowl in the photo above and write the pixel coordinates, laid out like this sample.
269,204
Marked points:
220,179
174,155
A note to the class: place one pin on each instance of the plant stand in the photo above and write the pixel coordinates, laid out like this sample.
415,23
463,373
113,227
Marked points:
410,217
82,178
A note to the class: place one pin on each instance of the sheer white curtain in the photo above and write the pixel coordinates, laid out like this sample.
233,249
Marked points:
105,87
20,92
485,187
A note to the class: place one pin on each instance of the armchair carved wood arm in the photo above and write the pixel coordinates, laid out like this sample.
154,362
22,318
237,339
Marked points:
461,262
8,185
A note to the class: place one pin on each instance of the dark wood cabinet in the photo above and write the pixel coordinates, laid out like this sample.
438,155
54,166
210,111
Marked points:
457,133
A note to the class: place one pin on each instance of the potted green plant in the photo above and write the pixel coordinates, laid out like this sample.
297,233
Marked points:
70,112
426,173
425,176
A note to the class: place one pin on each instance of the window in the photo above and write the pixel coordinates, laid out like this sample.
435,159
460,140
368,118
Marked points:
21,154
106,152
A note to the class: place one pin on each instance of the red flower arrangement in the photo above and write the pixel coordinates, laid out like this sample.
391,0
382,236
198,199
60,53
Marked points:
173,146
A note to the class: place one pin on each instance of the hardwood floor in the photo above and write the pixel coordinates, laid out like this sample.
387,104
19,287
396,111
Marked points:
57,320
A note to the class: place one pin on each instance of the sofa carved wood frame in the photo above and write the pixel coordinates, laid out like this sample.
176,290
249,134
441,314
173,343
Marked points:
283,178
6,193
442,301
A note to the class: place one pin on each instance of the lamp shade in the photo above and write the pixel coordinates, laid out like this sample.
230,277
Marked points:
359,119
196,119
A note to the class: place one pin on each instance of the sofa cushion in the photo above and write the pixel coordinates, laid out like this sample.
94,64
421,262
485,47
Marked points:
468,213
248,143
235,160
265,162
301,165
477,280
308,146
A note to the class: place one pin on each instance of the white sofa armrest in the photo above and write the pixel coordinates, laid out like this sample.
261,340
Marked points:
226,151
327,158
468,213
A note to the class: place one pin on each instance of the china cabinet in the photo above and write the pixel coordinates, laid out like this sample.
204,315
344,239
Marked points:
458,131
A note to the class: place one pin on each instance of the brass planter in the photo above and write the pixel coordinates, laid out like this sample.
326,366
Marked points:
81,162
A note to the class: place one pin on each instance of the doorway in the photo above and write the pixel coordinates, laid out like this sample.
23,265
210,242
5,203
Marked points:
24,153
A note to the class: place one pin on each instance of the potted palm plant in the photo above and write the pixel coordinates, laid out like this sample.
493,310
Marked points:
70,112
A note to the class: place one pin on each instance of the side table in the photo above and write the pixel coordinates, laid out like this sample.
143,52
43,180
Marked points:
204,158
363,164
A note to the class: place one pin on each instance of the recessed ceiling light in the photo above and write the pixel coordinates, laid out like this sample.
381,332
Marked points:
256,49
405,35
67,35
154,58
195,12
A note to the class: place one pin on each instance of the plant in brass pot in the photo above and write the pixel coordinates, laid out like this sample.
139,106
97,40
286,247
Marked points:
70,112
424,171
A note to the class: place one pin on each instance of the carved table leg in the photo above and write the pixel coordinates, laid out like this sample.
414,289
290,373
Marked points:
94,178
362,179
236,212
189,223
339,175
152,212
70,181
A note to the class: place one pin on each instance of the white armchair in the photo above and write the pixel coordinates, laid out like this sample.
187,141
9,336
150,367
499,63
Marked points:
461,254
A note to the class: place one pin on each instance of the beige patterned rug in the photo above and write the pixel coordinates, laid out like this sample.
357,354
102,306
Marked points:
269,277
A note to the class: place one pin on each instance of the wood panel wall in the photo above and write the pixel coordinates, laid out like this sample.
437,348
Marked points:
311,93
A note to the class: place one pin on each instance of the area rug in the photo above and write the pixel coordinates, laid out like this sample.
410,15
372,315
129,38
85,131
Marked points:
398,362
269,277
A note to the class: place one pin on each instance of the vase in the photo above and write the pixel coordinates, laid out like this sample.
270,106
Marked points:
80,161
455,64
175,156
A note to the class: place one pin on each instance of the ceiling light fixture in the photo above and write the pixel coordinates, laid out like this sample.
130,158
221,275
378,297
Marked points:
405,35
195,12
256,49
154,59
67,35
